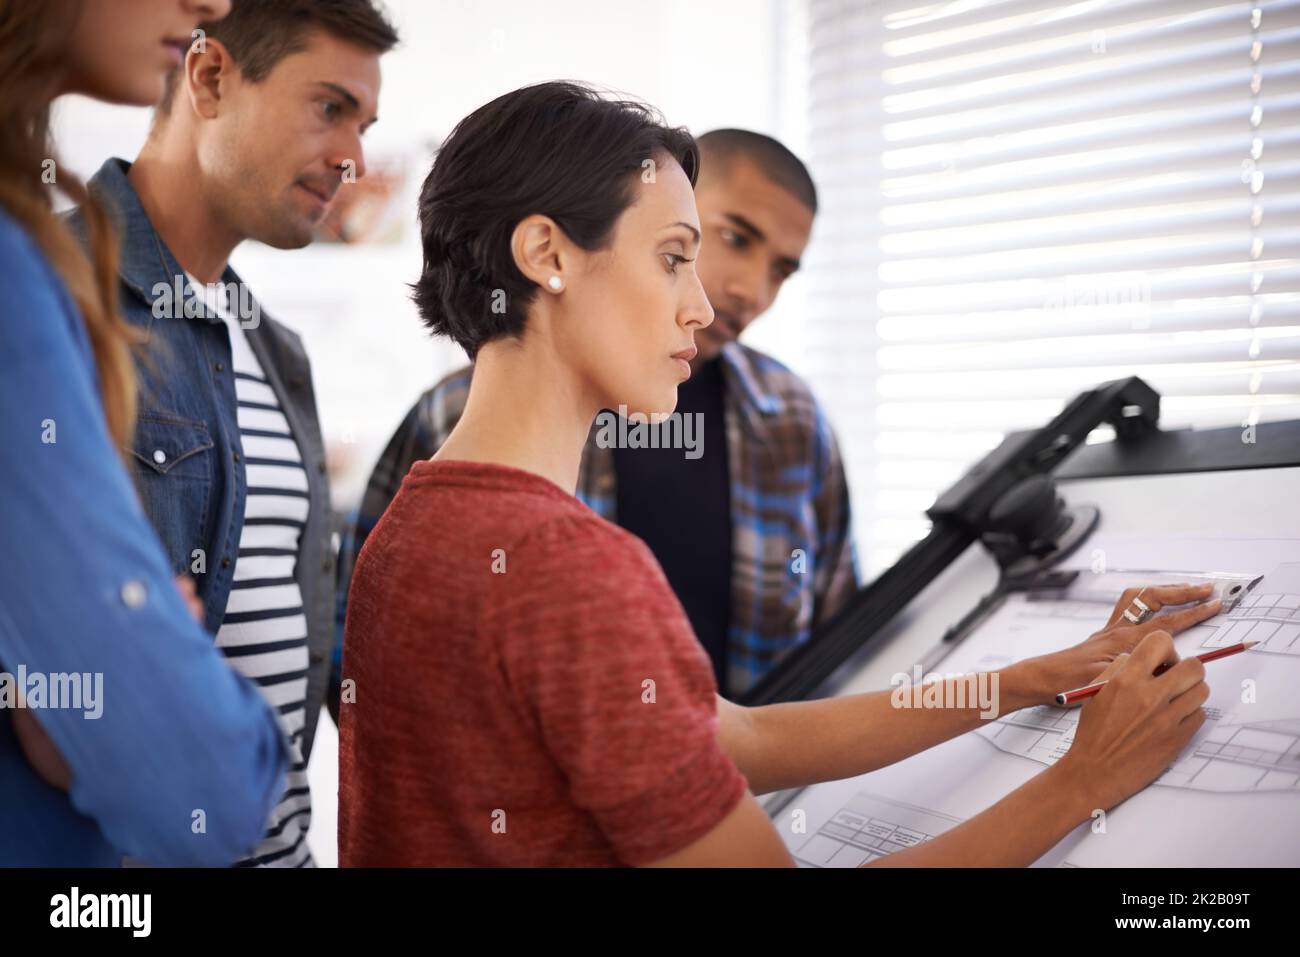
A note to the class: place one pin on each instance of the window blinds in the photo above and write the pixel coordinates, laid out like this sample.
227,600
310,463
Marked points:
1023,199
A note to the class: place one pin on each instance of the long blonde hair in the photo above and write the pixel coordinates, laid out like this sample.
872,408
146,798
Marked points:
33,40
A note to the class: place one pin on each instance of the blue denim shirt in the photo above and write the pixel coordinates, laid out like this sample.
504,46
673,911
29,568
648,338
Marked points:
187,448
175,736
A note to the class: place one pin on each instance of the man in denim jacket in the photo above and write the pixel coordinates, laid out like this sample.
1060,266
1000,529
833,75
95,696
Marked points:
258,130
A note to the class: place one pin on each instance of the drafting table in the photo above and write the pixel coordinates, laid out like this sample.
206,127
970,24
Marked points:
1185,503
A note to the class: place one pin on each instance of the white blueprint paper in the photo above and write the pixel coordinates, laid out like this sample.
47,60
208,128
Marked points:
1232,798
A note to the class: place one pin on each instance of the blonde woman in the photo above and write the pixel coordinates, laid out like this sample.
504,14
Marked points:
123,732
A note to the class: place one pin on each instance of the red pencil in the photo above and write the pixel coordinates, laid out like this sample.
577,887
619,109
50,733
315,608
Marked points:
1069,697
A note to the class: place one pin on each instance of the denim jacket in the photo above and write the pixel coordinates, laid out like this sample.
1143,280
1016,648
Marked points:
187,442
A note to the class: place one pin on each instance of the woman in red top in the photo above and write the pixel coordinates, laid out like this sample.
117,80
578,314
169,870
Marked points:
526,689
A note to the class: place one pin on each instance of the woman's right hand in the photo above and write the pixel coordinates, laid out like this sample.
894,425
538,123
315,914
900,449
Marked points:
1134,727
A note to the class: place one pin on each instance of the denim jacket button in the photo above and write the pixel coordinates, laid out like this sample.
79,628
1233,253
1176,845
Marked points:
221,367
159,456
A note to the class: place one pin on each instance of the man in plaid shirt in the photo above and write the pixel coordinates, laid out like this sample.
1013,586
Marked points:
757,575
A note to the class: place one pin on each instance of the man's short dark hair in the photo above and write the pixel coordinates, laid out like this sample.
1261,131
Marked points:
261,33
773,159
558,149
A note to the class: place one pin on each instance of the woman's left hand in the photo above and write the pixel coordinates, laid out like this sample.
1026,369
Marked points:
1079,665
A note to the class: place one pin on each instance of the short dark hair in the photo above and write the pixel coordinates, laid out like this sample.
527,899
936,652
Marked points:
559,149
773,159
261,33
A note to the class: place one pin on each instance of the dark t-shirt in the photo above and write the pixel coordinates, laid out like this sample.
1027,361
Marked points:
681,508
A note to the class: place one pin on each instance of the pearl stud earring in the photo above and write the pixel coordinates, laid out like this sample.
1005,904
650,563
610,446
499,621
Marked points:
556,283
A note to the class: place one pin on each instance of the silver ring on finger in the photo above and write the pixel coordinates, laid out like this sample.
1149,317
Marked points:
1138,611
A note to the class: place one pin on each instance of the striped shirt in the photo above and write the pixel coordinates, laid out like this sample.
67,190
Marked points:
264,631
